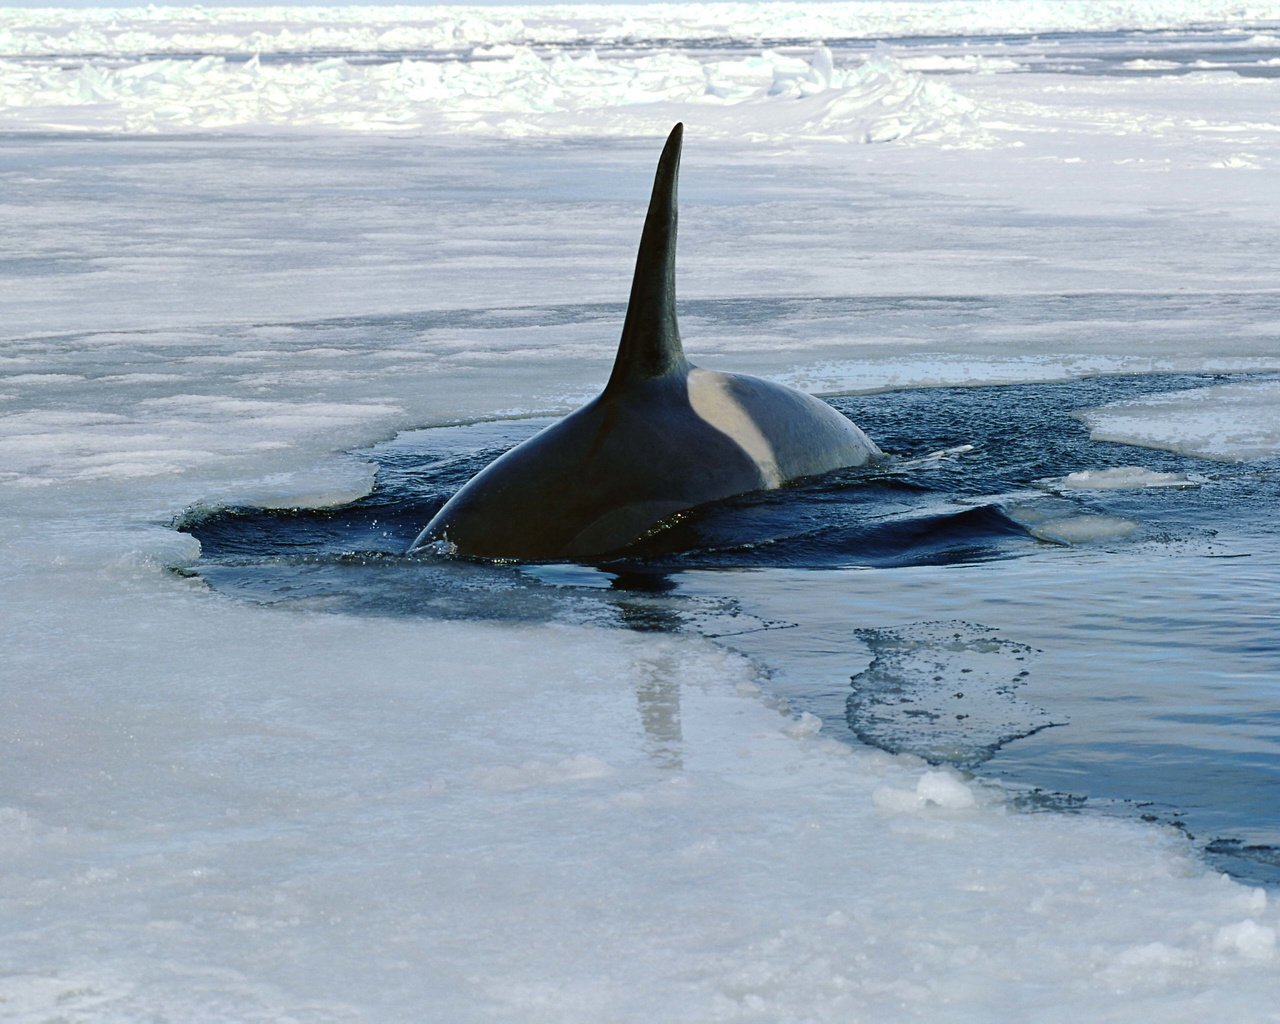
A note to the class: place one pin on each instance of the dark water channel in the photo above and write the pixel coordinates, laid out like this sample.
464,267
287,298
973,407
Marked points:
1109,650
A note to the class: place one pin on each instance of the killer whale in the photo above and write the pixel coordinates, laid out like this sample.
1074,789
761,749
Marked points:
662,437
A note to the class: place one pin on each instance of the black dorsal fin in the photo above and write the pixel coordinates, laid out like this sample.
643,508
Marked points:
650,345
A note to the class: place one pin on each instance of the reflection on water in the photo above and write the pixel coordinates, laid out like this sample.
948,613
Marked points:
942,603
658,698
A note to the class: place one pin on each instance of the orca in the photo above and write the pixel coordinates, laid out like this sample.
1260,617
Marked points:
663,436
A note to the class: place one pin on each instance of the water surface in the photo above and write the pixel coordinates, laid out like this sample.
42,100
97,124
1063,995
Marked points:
1115,650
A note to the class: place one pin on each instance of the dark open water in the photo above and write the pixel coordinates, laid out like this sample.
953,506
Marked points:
1114,651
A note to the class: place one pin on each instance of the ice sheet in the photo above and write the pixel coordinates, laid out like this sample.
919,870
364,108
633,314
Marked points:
281,814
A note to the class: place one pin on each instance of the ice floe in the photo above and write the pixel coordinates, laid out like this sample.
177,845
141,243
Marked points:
1118,478
1234,422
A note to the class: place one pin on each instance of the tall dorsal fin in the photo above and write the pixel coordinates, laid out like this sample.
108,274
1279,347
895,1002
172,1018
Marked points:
650,345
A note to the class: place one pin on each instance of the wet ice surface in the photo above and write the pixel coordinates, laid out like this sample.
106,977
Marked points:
1161,725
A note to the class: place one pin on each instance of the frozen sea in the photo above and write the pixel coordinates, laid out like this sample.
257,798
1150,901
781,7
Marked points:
987,732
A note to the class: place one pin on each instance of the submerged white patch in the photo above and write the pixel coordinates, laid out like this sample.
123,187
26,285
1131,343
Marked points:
1058,522
713,401
1076,530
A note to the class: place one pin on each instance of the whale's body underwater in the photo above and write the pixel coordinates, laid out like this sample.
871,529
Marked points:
662,437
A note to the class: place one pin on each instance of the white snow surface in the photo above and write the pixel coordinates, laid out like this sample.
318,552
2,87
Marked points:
263,816
517,93
745,71
108,30
214,811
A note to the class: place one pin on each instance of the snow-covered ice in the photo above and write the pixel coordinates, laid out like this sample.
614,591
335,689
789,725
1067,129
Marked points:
259,28
519,93
234,249
1235,422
